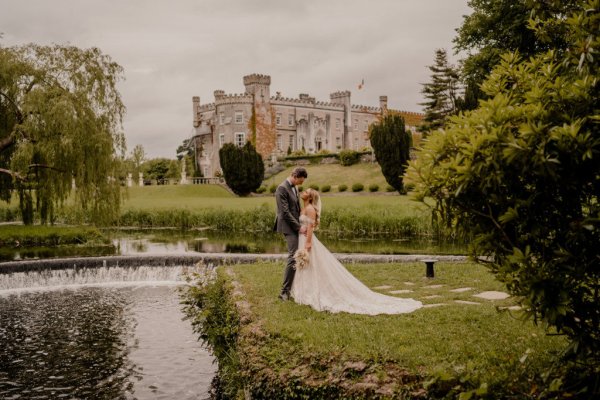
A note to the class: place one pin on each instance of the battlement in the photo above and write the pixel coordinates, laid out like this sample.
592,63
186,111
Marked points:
369,109
207,107
234,98
286,101
410,117
340,94
259,79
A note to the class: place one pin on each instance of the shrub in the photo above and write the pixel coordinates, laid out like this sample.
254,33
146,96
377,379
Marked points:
391,144
313,186
390,188
273,188
243,168
358,187
409,187
325,188
300,189
342,188
349,157
373,187
261,189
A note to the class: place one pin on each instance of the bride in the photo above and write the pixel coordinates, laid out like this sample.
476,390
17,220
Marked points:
324,283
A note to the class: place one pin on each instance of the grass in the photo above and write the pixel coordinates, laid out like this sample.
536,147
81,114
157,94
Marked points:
335,175
451,337
20,235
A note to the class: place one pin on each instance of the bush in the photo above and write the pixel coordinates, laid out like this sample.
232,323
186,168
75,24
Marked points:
373,187
261,189
313,186
300,189
391,144
409,187
243,168
390,188
273,188
325,188
358,187
342,188
349,157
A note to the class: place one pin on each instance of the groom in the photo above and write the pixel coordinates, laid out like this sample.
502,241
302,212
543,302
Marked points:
288,222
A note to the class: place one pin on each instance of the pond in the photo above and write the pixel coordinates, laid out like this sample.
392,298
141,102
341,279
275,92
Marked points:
166,241
102,333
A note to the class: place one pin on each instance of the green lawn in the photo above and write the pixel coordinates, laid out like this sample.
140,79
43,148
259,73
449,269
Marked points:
493,345
335,175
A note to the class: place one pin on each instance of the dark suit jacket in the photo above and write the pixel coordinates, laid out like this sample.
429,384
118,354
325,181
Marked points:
288,209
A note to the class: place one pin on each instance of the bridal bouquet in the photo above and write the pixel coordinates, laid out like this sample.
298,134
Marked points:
301,257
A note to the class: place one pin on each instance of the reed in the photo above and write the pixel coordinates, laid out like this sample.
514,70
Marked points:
20,235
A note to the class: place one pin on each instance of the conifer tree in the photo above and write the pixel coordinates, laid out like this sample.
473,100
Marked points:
243,168
391,145
441,93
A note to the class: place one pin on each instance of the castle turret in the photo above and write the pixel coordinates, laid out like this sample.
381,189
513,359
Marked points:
195,107
219,94
383,104
343,98
259,86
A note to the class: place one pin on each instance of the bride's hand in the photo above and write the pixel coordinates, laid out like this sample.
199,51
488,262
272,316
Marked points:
308,246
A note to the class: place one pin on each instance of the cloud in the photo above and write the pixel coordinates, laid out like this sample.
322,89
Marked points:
174,50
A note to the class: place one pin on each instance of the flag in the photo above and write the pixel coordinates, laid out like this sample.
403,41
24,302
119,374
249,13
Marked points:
361,84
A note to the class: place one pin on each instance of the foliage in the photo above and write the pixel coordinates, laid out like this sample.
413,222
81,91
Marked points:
358,187
261,189
349,157
273,188
23,235
391,144
373,187
325,188
161,168
60,120
243,168
342,188
441,94
495,27
313,186
520,173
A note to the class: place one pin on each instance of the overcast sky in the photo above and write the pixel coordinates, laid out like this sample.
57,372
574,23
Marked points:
172,50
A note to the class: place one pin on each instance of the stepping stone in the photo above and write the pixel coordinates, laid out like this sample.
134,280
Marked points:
434,305
492,295
433,286
400,291
409,283
467,302
384,287
462,289
512,308
433,296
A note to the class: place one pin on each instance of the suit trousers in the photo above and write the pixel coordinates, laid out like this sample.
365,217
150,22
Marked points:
290,271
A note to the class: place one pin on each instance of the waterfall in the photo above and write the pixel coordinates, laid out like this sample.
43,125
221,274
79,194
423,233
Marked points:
51,279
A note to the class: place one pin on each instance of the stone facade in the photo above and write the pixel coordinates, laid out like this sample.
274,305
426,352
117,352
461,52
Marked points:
282,122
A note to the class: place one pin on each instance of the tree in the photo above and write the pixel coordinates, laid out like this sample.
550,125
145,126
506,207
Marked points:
243,168
161,168
520,176
60,120
441,93
391,145
496,27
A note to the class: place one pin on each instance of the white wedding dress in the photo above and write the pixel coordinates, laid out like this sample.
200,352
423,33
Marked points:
325,285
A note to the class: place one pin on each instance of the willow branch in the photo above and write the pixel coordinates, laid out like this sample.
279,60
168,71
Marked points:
44,166
13,174
15,106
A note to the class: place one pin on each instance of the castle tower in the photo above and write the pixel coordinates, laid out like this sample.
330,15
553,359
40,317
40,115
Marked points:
259,86
383,105
343,98
195,107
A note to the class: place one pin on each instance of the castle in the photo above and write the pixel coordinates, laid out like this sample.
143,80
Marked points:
282,123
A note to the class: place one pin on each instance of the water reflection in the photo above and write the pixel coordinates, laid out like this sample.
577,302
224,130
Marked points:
101,343
175,242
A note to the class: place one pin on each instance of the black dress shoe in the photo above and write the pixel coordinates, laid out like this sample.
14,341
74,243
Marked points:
284,296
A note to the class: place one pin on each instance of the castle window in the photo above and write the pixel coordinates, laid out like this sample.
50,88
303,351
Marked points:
239,117
291,119
355,124
338,142
337,124
240,139
279,142
292,143
221,118
278,119
366,125
221,140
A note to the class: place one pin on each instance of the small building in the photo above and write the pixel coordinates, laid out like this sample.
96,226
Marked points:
282,124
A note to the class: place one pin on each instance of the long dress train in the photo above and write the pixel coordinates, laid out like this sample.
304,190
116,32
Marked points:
326,285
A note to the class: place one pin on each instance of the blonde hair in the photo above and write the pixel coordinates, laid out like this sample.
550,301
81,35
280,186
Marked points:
315,200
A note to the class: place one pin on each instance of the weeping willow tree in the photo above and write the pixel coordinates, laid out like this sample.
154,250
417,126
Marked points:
60,130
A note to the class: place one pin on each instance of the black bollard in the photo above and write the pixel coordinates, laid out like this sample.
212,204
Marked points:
429,267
